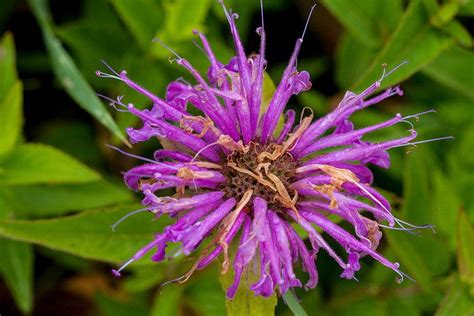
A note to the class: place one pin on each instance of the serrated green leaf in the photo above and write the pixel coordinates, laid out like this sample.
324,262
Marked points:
40,164
245,301
414,40
465,254
68,74
8,74
89,233
454,68
457,301
11,119
35,201
16,267
142,18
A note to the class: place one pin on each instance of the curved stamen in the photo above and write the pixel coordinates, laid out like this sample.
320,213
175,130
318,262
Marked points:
204,148
424,141
419,114
402,276
307,20
114,75
409,123
385,75
123,152
113,102
157,39
114,226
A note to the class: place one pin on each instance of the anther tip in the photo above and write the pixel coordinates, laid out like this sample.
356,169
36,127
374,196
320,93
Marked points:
116,273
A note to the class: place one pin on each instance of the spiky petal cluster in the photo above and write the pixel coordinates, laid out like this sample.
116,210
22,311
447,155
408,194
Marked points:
330,177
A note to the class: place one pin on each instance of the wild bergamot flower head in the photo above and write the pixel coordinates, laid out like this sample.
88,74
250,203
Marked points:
240,178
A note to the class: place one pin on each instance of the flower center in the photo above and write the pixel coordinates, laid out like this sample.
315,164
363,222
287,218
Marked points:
255,169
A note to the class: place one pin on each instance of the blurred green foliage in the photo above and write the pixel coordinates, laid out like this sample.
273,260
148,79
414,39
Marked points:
58,203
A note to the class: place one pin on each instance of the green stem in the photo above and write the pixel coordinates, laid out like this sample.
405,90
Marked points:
292,301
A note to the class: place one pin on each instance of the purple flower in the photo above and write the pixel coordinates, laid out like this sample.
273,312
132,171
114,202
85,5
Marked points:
238,173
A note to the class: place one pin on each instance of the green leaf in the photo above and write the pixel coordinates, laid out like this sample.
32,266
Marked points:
454,68
10,97
204,294
167,301
424,256
143,278
446,204
267,94
35,201
245,301
91,41
182,17
457,301
356,17
368,21
11,119
467,8
16,268
352,59
75,138
68,74
37,164
414,40
465,238
459,33
142,18
314,100
420,257
89,233
8,74
446,12
109,306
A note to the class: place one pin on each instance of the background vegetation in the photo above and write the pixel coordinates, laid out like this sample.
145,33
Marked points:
60,187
